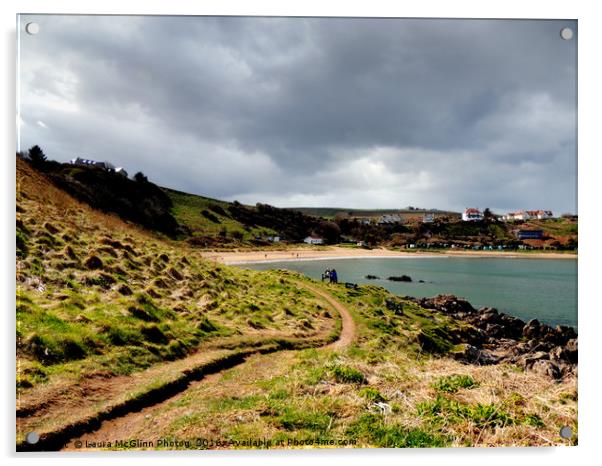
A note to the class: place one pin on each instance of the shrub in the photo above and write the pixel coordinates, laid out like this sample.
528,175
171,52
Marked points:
140,177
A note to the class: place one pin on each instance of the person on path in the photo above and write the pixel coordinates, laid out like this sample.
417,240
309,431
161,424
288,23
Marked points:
333,276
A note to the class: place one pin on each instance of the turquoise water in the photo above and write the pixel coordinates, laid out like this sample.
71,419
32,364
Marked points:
545,289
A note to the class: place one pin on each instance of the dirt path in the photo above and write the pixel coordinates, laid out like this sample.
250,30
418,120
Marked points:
348,325
123,426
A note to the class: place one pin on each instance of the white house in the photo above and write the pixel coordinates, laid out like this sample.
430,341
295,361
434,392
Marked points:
121,171
313,240
428,218
519,215
273,239
529,214
472,215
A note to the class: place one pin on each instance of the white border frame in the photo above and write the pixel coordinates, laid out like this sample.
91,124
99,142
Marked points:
590,37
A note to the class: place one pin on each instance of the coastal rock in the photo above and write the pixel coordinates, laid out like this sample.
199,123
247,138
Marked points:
572,345
493,337
468,334
401,278
449,304
562,334
565,354
495,331
546,367
531,358
532,329
473,355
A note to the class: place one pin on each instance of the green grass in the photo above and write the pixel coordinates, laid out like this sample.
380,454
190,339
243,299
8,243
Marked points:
442,410
372,428
346,374
210,217
371,394
452,383
81,322
292,418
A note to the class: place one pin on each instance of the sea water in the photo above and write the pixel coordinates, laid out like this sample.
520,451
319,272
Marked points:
544,289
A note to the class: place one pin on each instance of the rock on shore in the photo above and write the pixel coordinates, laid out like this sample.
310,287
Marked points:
501,338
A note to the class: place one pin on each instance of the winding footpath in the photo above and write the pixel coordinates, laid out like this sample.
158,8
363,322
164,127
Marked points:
122,424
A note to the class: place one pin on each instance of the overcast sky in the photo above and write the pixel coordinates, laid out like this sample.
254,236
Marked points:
359,113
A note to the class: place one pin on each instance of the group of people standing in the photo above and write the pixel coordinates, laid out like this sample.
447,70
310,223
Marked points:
330,275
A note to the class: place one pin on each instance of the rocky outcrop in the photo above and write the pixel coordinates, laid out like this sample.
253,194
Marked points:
400,278
497,337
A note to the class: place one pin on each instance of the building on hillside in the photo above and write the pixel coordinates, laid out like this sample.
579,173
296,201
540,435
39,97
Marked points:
389,219
312,239
529,234
428,217
529,214
472,215
107,166
273,239
121,171
544,214
518,215
82,162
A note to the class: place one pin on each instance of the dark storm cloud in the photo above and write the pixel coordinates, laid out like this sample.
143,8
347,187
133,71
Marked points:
347,112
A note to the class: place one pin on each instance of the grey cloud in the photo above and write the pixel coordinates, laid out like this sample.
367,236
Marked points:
284,110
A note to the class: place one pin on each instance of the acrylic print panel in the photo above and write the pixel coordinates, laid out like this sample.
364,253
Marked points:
282,233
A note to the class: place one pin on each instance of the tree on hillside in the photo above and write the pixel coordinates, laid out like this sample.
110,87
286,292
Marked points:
140,177
36,155
330,231
488,215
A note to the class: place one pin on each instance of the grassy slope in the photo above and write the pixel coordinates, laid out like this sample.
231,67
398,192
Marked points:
75,324
432,400
188,208
555,228
96,296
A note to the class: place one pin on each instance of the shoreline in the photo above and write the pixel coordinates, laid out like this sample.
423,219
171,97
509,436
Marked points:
336,252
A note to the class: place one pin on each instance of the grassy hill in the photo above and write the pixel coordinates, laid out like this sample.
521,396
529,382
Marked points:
113,318
99,296
210,221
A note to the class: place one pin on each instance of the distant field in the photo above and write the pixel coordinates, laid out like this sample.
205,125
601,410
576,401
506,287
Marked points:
331,212
555,226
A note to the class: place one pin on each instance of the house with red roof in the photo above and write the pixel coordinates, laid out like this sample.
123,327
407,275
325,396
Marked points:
472,215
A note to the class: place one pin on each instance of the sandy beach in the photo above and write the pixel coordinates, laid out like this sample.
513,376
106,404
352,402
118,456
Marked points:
336,252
